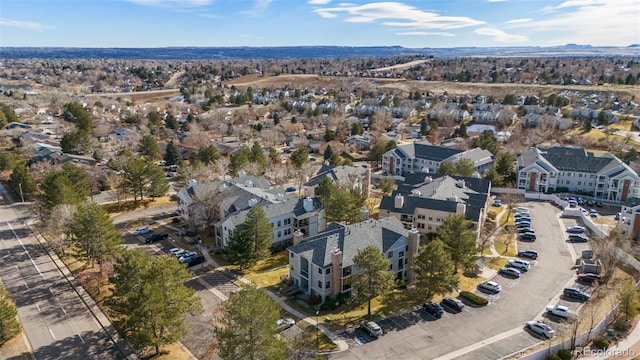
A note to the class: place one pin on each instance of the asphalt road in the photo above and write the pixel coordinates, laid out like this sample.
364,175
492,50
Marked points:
56,322
490,332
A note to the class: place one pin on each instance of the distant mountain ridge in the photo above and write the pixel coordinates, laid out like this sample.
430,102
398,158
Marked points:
218,53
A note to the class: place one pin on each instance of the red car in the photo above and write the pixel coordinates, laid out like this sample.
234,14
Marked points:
589,277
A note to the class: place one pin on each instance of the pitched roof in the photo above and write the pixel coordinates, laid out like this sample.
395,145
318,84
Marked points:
632,202
384,234
567,158
337,174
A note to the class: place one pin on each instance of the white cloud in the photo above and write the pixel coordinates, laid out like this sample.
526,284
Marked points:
519,21
499,35
598,23
403,15
573,3
424,33
258,8
173,3
319,2
24,24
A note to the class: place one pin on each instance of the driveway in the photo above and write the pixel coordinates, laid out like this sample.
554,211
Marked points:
490,332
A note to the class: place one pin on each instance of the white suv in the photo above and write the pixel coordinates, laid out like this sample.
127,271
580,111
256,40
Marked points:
490,286
519,264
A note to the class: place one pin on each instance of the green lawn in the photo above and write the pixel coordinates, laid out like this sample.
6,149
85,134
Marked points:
505,245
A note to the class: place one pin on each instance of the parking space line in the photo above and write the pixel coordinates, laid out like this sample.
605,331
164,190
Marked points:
480,344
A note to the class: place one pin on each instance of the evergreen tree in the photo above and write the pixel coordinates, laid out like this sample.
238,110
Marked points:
459,240
170,122
239,160
447,168
487,141
151,300
247,327
434,269
492,175
387,184
21,179
251,241
76,142
135,177
373,277
172,155
328,152
257,156
464,167
148,147
208,154
58,189
335,160
299,157
356,128
78,177
93,234
75,113
158,185
274,156
7,114
424,127
8,160
154,118
9,325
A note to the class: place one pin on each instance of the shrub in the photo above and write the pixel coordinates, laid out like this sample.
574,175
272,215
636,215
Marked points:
342,298
313,300
330,304
401,284
492,214
564,354
552,357
600,343
474,298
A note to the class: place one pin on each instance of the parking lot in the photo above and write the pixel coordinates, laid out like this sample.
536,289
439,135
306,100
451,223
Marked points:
493,331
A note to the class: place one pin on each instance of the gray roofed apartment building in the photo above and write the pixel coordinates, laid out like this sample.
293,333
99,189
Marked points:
576,170
322,265
421,156
426,200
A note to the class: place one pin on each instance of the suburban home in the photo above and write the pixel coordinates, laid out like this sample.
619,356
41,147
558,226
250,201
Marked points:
575,170
426,200
322,265
53,156
421,156
287,214
351,176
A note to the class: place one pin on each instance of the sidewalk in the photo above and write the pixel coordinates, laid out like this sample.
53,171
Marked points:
342,345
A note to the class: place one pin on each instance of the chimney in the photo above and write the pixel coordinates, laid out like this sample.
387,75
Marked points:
248,183
412,251
461,183
399,201
253,202
428,179
336,271
366,183
297,237
242,175
453,197
461,208
193,183
307,204
364,214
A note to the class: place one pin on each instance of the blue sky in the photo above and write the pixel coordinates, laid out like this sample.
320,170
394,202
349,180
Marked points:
424,23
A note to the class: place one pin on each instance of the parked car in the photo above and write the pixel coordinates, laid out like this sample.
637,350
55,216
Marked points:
497,203
617,216
142,230
156,237
541,328
561,311
452,303
521,209
433,309
589,277
523,230
283,324
187,257
577,229
520,216
572,203
589,202
509,272
522,265
490,286
291,189
528,236
593,213
372,328
578,238
524,224
576,294
199,259
530,254
599,203
176,250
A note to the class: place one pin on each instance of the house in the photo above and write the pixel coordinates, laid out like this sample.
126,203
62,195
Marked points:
287,215
424,201
351,176
573,169
322,265
360,142
421,156
17,125
54,156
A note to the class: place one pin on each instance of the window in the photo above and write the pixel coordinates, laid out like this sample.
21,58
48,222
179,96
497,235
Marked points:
429,227
389,254
319,270
401,254
293,255
400,264
320,284
420,225
327,271
579,183
327,284
287,231
287,221
430,218
421,217
346,271
279,233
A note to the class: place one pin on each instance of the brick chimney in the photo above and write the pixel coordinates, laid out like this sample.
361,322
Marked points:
297,237
336,271
414,243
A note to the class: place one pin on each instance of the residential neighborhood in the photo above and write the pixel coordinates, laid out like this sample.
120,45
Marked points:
350,212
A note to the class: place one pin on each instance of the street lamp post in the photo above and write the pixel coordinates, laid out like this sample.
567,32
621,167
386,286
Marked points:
21,194
317,331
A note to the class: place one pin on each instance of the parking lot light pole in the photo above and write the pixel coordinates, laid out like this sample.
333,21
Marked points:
317,331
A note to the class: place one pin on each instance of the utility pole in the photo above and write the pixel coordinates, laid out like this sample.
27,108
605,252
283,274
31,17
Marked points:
21,194
317,331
